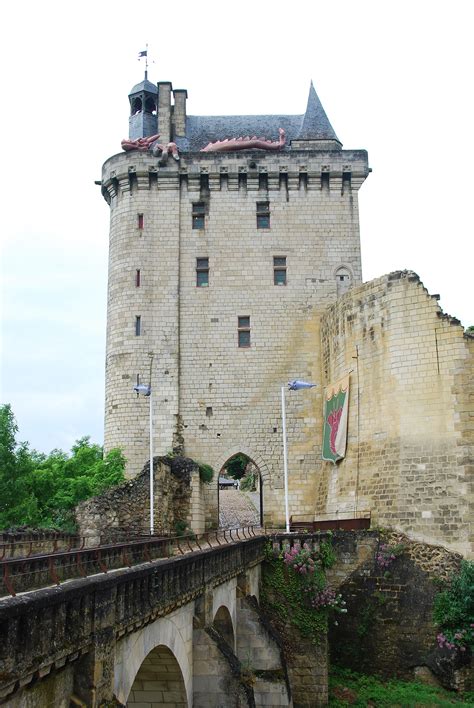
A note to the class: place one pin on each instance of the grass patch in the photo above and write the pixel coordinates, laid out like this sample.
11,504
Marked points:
347,688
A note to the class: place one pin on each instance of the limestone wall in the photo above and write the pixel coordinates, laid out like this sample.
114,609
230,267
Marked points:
123,511
211,395
409,440
390,612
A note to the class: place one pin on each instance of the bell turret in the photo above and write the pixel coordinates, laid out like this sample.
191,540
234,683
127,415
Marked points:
143,120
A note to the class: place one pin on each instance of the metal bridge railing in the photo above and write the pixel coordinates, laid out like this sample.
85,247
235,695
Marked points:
33,571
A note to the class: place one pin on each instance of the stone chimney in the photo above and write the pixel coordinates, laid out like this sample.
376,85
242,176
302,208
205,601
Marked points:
180,96
164,111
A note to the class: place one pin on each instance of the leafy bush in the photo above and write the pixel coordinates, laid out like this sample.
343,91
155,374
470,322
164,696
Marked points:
206,473
454,610
248,483
182,528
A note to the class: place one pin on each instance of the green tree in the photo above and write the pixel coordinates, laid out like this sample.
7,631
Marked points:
236,465
15,472
42,490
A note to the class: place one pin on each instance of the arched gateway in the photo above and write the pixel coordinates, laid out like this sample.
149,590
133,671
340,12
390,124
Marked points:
235,509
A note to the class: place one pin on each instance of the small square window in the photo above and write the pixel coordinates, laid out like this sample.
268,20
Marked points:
202,272
198,215
263,215
243,331
279,270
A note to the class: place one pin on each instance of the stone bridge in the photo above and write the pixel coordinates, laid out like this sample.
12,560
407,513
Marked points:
186,630
163,633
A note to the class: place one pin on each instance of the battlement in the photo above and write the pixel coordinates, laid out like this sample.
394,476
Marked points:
319,170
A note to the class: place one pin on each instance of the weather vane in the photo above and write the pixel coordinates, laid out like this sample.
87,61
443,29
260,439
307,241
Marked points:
144,54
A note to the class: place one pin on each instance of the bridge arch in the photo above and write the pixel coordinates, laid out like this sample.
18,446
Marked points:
167,640
223,623
159,681
224,609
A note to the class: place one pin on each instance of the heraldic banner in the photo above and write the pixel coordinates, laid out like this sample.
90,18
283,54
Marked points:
336,409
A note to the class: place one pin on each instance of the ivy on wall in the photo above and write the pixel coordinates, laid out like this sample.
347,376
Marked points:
295,589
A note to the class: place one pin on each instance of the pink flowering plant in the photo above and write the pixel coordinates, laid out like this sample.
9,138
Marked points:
328,598
302,560
309,565
386,554
457,640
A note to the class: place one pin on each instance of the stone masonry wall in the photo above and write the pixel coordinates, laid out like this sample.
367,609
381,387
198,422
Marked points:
123,511
212,396
409,433
388,629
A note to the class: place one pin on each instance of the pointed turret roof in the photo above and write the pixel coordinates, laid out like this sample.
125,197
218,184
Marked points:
316,125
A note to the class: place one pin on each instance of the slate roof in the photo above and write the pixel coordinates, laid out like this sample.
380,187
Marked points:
316,125
312,125
144,85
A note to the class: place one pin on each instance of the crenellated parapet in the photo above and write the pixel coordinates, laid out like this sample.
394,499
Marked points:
336,171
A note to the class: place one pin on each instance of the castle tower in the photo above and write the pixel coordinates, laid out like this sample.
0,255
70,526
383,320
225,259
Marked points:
221,264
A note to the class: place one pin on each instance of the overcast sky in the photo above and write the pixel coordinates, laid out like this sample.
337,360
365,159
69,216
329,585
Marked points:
394,78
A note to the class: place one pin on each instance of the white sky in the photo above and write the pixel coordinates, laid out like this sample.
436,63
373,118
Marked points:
395,78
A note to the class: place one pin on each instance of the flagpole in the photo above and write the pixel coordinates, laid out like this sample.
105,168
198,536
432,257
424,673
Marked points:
152,472
285,457
152,501
295,385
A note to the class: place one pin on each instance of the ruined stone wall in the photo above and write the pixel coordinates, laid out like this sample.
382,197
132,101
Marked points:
409,440
211,395
388,628
123,511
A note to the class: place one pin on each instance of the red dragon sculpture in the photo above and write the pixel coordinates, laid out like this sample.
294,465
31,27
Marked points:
247,143
151,143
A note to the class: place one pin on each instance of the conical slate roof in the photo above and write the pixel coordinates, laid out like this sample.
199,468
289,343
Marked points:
316,125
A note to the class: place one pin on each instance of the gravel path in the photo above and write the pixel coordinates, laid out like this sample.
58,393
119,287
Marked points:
236,509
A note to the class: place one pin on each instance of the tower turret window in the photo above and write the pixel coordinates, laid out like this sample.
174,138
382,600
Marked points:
202,272
263,215
199,212
343,280
140,221
279,270
243,331
138,326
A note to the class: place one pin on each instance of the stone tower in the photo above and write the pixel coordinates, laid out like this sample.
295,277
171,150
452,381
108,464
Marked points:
222,259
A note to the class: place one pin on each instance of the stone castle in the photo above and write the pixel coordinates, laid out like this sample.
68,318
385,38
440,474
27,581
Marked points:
235,267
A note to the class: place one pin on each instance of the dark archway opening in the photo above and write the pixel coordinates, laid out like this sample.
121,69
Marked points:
223,624
150,106
136,106
240,493
158,681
